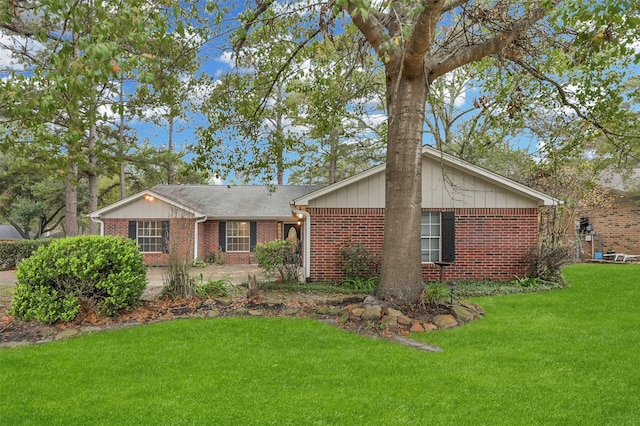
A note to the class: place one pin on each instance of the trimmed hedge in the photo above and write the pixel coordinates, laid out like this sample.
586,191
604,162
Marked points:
14,252
108,271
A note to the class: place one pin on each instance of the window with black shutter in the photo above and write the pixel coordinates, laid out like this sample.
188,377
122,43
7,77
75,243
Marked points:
437,237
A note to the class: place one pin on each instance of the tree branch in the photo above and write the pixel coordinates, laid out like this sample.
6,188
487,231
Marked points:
565,101
442,64
422,36
371,28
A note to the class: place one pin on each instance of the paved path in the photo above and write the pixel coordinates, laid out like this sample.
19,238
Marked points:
236,274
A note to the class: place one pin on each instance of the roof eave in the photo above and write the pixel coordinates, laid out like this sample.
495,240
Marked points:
98,213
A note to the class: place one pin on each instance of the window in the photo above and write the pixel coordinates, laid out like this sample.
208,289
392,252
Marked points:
149,236
238,236
437,237
430,237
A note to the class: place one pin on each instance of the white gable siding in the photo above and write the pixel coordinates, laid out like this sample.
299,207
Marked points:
367,192
143,209
447,187
442,187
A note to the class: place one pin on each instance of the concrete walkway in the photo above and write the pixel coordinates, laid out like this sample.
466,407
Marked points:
236,274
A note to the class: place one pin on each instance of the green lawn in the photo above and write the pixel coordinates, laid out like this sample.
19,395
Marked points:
567,357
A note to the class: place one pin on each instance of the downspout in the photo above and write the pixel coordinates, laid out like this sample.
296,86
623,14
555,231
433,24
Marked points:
307,241
195,235
96,220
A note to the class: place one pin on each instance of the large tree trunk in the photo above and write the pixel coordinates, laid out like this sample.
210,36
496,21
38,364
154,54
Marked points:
401,278
93,179
71,205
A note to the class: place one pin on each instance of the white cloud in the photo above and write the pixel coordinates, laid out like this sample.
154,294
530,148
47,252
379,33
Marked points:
9,44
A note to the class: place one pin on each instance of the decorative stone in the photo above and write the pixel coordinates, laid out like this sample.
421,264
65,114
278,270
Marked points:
389,323
416,327
461,313
89,329
213,313
65,334
371,301
290,311
445,321
272,304
332,301
372,313
355,314
255,312
429,327
393,312
404,320
328,310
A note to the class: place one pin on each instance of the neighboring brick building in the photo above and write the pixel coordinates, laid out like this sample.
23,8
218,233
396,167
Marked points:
481,223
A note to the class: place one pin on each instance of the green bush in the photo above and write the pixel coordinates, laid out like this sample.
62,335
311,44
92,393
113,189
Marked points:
107,271
436,294
14,252
277,257
357,261
220,287
546,261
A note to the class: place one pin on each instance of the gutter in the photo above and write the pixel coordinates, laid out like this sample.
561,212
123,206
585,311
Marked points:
307,241
195,236
96,220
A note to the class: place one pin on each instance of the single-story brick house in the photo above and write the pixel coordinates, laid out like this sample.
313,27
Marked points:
481,222
614,227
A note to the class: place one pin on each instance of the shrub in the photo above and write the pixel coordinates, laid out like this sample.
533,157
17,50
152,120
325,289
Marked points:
278,257
436,294
546,261
107,271
357,261
14,252
220,287
176,279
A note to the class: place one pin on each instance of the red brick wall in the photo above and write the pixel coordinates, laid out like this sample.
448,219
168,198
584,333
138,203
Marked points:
618,226
182,239
490,243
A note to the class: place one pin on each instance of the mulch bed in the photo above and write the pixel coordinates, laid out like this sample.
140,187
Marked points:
165,309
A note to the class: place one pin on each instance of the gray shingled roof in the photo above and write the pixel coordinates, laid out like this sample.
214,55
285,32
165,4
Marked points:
235,201
8,232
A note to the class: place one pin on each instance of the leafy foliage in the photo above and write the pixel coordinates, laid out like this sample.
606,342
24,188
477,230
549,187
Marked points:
365,285
546,261
278,256
357,262
107,271
220,287
14,252
436,294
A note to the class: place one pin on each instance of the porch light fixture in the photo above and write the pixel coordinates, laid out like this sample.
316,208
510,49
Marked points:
300,216
149,198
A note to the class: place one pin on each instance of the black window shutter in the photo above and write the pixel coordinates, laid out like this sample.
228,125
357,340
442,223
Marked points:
165,236
133,229
448,237
222,235
253,235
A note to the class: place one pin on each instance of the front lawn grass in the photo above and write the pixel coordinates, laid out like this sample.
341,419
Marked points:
568,356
